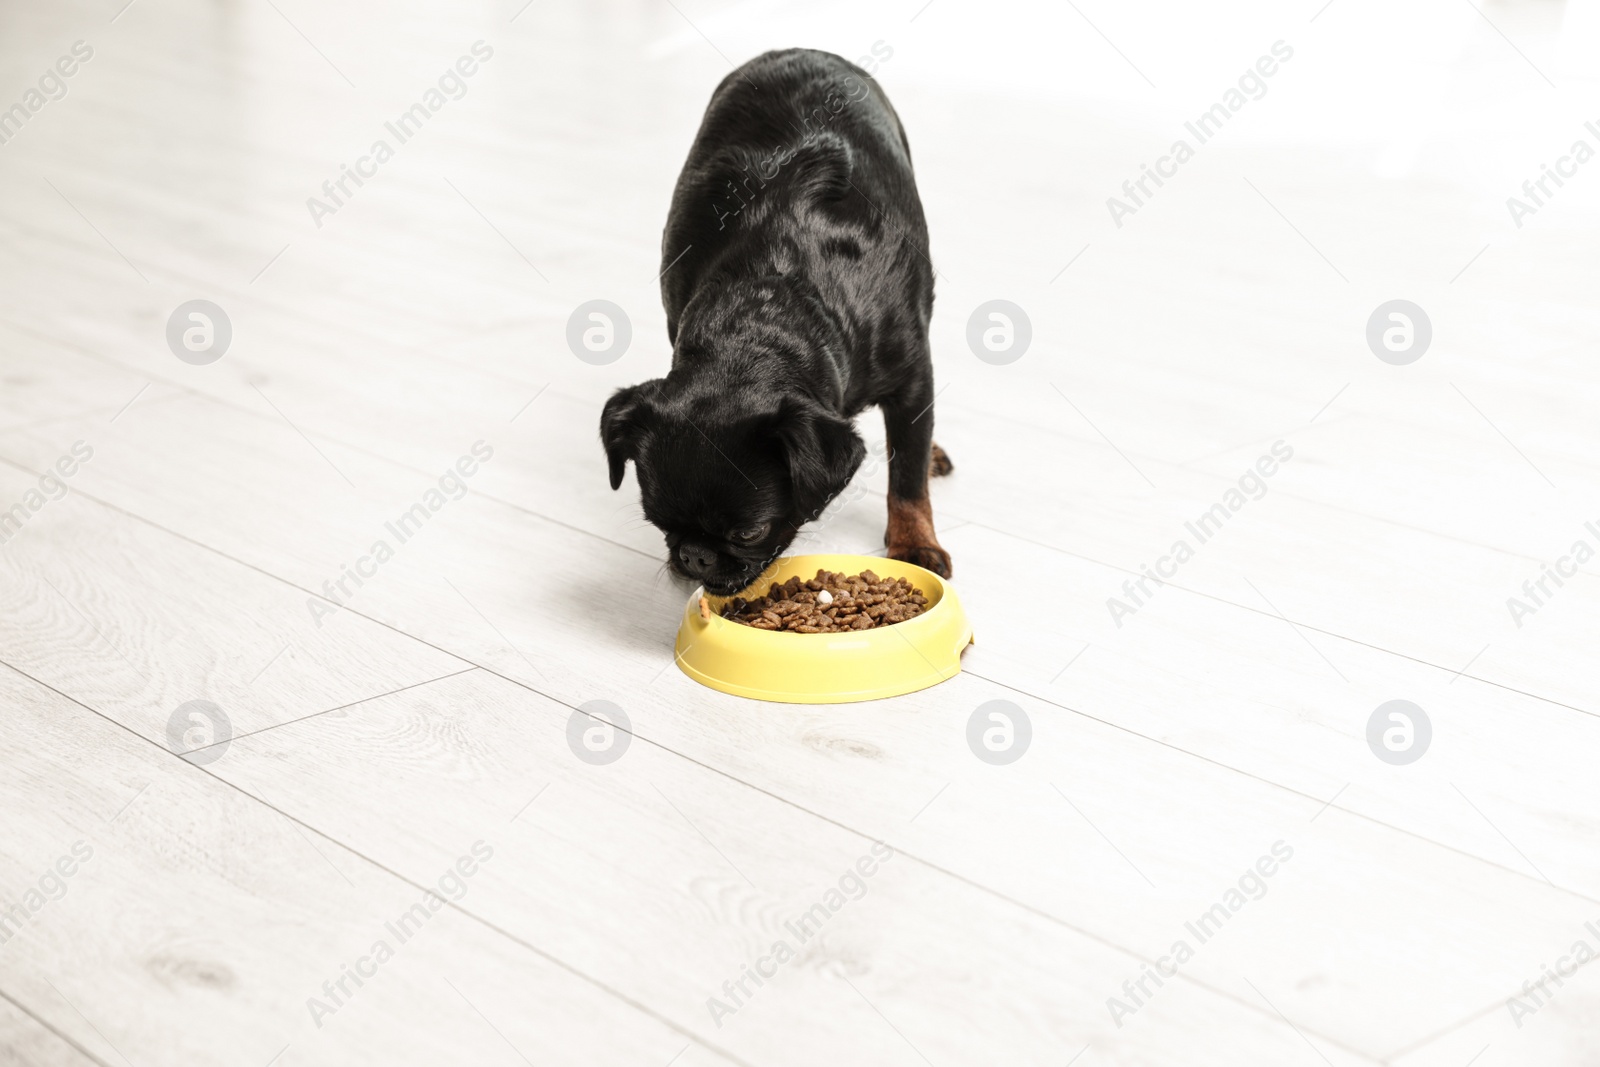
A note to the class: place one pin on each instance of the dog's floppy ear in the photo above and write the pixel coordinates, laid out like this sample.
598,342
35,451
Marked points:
823,451
623,423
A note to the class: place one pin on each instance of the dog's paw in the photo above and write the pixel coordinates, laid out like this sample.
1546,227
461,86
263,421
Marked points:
939,464
928,557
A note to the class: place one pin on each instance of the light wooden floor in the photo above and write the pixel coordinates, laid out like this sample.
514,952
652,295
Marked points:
374,747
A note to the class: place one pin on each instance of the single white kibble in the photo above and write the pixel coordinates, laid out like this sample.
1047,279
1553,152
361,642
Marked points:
824,597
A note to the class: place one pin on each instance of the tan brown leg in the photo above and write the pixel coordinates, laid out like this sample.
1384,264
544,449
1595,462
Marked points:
911,537
908,421
940,464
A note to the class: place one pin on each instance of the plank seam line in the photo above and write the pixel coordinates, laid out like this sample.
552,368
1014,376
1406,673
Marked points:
65,1038
391,872
597,983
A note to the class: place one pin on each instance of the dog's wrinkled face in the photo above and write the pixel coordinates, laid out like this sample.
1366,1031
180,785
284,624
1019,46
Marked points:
728,490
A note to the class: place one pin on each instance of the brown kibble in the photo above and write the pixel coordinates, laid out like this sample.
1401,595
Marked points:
859,602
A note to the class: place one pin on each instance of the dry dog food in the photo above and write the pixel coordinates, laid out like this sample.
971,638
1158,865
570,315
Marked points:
829,603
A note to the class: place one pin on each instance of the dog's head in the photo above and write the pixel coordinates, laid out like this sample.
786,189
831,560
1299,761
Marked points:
728,487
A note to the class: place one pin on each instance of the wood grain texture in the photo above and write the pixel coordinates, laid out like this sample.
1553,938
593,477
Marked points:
205,920
198,553
138,622
436,590
710,874
1176,650
25,1042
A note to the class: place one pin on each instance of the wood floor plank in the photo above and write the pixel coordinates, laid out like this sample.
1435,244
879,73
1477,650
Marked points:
1182,648
1290,543
653,846
1552,1022
803,756
38,391
1445,605
191,901
1388,494
25,1042
1296,542
204,550
1250,692
138,623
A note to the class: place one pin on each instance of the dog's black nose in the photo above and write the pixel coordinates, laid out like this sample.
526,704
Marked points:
697,559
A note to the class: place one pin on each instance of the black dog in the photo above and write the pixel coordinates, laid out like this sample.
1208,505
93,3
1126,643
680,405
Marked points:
798,291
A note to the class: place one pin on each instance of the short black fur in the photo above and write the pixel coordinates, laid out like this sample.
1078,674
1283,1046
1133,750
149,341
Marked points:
798,292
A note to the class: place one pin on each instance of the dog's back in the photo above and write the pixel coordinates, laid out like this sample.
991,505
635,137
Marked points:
784,142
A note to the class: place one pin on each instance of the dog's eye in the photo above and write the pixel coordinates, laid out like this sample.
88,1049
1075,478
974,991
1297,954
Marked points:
750,534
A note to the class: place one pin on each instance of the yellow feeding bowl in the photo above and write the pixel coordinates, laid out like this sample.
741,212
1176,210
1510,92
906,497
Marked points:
832,668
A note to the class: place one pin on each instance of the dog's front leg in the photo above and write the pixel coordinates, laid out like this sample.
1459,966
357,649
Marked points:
908,419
